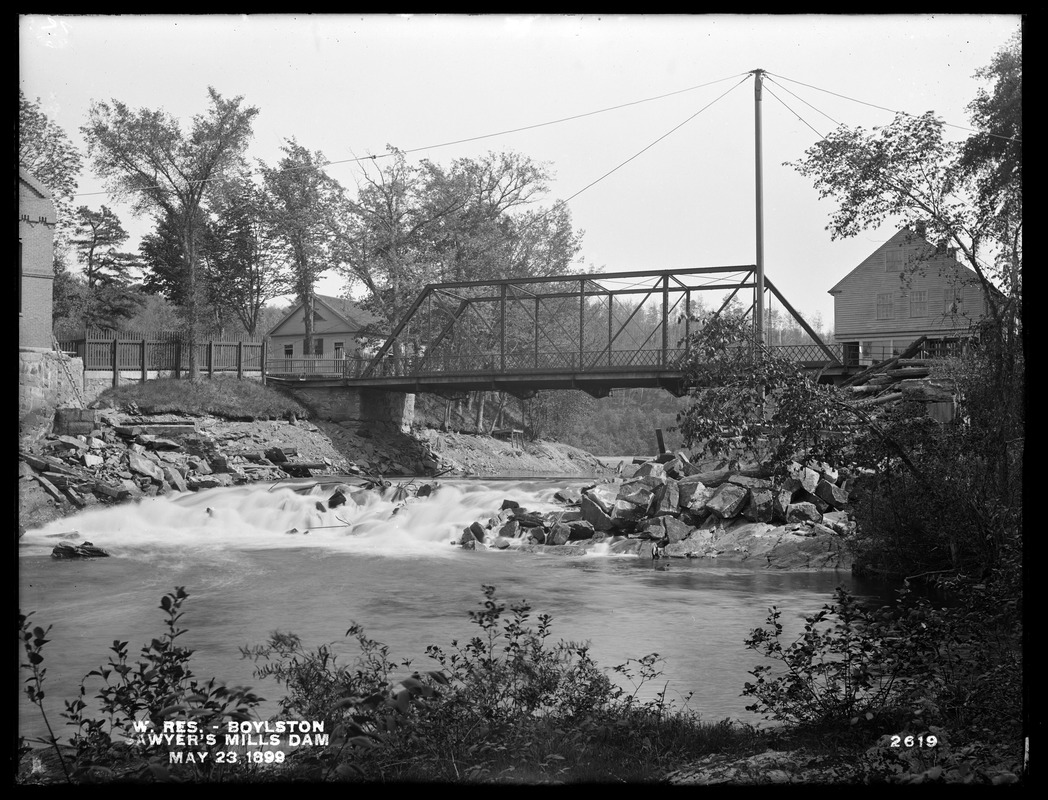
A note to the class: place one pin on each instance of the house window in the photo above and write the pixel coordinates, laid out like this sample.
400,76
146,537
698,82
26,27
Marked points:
340,349
918,304
953,299
289,350
884,306
865,351
893,260
318,346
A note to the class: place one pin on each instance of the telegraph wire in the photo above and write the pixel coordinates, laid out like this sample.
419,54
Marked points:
906,113
387,154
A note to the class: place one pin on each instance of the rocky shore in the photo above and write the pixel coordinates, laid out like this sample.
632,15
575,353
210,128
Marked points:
667,507
671,508
103,456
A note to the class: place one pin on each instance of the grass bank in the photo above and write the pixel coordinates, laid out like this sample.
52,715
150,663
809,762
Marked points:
224,397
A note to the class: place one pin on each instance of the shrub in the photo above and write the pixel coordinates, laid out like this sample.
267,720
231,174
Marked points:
135,701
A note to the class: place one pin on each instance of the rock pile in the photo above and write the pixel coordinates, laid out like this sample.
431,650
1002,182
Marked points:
95,456
671,508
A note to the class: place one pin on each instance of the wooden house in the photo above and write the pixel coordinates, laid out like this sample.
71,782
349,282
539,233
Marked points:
341,329
36,275
905,289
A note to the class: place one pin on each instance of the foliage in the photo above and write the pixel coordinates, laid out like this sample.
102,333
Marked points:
553,415
245,262
410,225
993,157
104,296
158,693
960,506
299,206
45,152
219,396
359,703
519,708
907,172
748,402
914,667
147,157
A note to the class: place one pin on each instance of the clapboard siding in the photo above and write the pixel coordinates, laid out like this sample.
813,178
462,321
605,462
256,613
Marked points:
855,297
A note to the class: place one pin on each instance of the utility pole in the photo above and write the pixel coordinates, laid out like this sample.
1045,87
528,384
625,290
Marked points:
758,292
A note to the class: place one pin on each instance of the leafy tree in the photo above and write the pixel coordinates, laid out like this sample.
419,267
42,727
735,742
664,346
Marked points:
993,157
97,238
46,153
969,195
750,403
302,202
165,275
146,156
107,293
245,260
413,225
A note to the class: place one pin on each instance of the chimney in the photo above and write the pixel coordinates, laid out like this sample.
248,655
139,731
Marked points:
920,228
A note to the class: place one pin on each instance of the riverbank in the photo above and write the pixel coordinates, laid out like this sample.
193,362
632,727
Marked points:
119,457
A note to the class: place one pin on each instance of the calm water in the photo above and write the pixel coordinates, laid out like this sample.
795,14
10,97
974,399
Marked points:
395,574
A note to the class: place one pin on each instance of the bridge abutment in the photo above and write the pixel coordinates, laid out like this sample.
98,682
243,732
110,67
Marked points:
364,407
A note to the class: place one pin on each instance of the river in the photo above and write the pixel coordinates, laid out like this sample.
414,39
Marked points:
396,574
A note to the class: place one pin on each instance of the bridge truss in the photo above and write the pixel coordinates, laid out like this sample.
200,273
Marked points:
591,332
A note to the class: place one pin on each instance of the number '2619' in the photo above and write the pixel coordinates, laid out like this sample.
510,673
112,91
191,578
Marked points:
915,741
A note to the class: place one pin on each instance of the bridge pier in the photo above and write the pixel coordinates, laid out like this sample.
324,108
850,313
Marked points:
364,407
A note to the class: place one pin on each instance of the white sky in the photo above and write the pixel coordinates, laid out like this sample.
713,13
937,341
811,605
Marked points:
349,85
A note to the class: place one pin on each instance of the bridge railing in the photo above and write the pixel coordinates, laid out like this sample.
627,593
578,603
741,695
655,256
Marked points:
541,362
805,353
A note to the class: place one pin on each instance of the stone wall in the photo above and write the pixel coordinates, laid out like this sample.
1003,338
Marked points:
358,406
44,384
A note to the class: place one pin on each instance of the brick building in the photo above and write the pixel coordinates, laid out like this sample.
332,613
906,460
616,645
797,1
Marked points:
36,229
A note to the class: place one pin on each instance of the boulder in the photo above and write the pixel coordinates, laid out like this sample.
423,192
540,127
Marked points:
803,512
832,494
781,499
603,495
808,478
145,466
728,500
760,507
665,499
751,483
690,486
594,514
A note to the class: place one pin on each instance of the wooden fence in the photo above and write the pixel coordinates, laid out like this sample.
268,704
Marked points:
163,351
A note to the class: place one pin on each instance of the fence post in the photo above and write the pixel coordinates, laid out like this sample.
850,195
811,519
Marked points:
211,358
116,366
178,360
145,373
240,360
262,363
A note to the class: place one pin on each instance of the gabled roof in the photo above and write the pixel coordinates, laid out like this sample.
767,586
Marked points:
356,319
34,184
904,236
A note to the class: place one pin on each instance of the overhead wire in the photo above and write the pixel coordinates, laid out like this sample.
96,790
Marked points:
821,136
388,154
893,111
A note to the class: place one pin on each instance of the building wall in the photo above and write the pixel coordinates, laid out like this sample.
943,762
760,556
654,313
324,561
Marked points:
46,380
36,225
889,309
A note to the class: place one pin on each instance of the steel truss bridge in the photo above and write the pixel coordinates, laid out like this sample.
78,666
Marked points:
593,332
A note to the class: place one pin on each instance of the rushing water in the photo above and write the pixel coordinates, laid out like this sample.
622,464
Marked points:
396,574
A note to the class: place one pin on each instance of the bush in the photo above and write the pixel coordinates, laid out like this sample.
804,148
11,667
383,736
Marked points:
506,706
911,667
156,694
